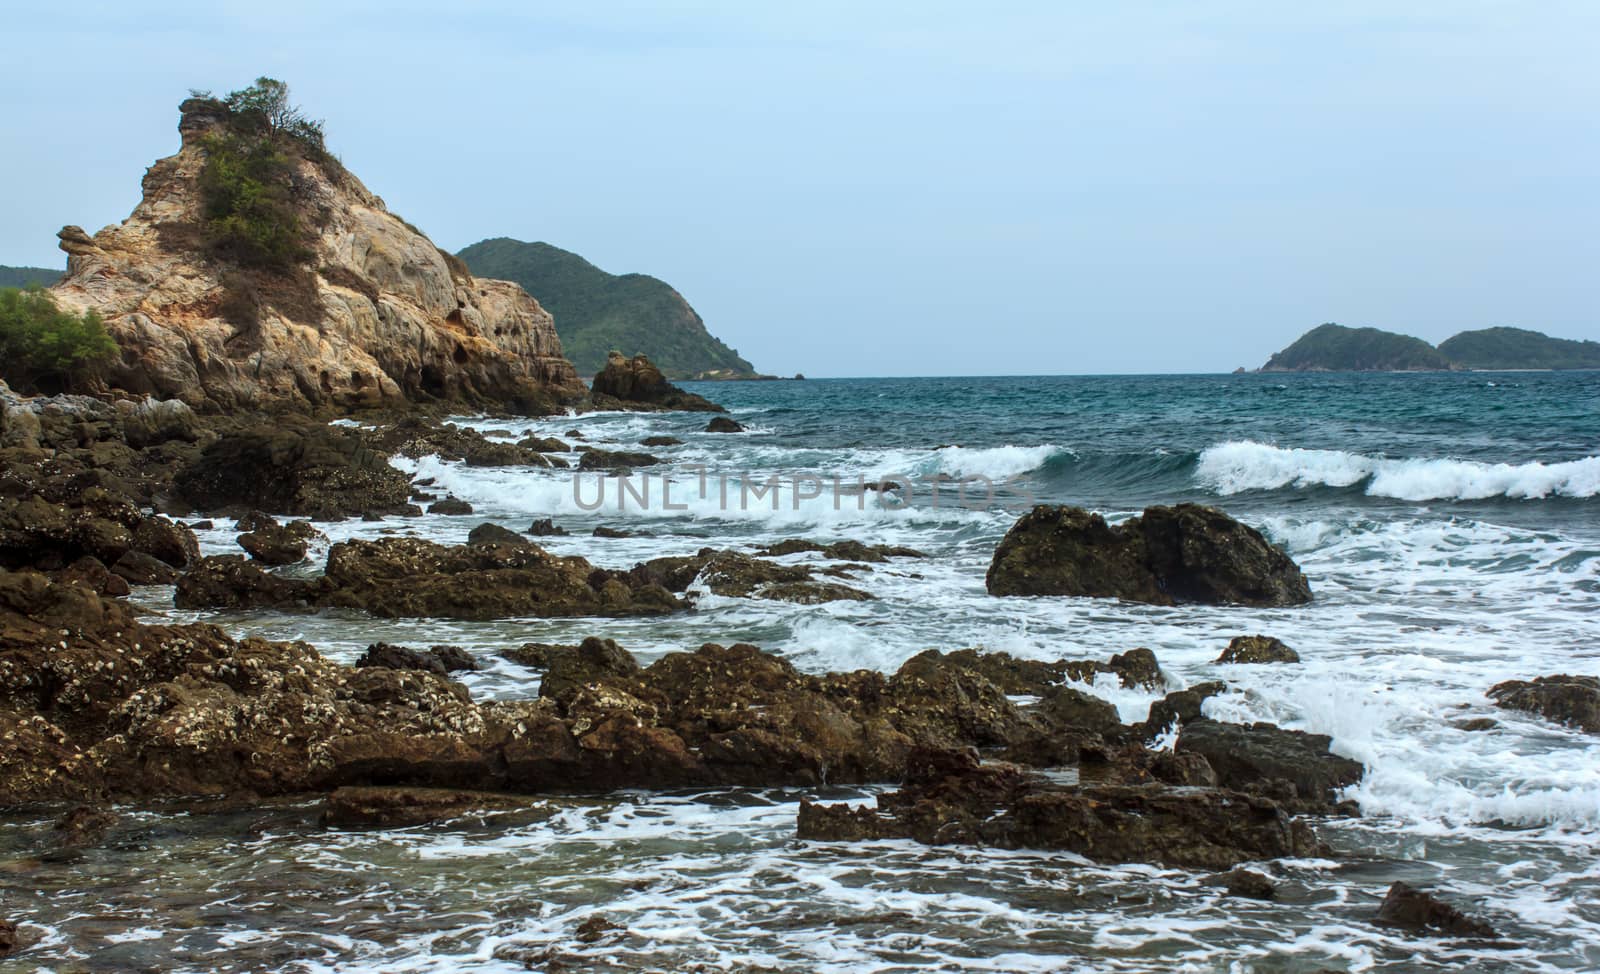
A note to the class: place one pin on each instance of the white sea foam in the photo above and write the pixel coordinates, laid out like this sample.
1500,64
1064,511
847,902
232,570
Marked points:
996,463
1230,468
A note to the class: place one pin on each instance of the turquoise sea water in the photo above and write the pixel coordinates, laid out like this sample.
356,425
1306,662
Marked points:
1450,527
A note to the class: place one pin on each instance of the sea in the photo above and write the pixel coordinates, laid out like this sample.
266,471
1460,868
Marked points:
1450,529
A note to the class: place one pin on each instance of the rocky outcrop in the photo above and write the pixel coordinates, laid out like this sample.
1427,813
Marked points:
280,544
638,385
1292,767
1169,555
950,798
722,424
435,659
418,436
301,469
1570,700
1411,908
1258,649
375,313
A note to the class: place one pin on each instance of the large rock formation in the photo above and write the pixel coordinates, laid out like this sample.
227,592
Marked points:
1566,699
1186,553
374,314
638,385
950,798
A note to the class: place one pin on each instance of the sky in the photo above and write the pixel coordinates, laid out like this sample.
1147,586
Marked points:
921,188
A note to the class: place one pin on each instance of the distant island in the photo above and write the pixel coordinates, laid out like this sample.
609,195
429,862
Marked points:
597,312
25,276
1335,348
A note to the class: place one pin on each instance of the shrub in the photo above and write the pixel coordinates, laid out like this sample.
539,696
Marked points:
252,216
45,349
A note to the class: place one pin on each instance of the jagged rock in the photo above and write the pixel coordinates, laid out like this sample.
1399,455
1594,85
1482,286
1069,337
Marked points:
594,929
89,520
402,807
603,531
304,470
1407,906
280,544
493,534
1169,555
1570,700
437,659
842,550
638,385
376,315
83,826
738,575
450,506
398,577
1293,767
949,797
722,424
1258,649
255,521
615,460
142,569
232,582
1247,883
8,938
1180,706
152,421
546,528
535,655
655,441
546,444
568,667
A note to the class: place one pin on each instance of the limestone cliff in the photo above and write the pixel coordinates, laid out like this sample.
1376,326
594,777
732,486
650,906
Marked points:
374,314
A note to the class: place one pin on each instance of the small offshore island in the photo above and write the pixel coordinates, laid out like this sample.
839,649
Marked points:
1336,348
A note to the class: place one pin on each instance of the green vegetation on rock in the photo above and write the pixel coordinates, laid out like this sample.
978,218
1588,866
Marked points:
1335,348
1518,348
26,276
46,350
252,219
597,312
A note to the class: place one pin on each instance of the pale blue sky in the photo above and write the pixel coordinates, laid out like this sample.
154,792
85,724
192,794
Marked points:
908,188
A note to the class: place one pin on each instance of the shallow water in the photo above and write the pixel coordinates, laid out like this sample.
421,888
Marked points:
1448,524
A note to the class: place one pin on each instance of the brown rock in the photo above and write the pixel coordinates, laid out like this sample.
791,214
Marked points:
637,384
1257,649
375,314
1169,555
1407,906
403,807
280,544
1570,700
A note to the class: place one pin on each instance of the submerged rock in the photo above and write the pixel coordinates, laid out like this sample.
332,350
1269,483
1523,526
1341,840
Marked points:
1258,649
1570,700
949,797
403,807
1407,906
848,550
546,528
1166,556
723,424
232,582
615,460
638,385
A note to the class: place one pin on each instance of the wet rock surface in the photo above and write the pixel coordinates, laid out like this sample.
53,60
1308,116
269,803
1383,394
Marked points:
435,659
402,807
1293,767
280,544
949,797
1258,649
1412,908
637,384
1167,556
1565,699
304,470
723,424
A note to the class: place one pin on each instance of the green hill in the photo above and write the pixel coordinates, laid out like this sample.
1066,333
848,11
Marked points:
1335,348
23,276
1518,348
597,312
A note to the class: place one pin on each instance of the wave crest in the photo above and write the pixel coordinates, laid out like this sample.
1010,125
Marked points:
1234,467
